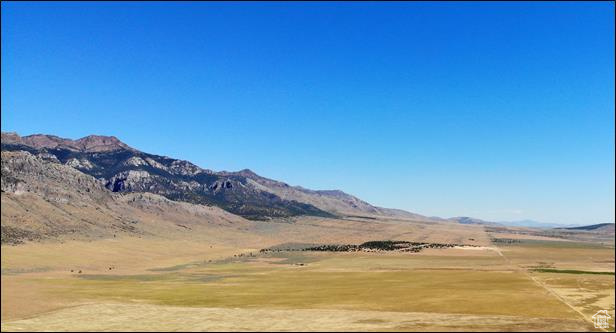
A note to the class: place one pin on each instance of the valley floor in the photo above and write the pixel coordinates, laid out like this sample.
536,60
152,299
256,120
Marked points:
144,283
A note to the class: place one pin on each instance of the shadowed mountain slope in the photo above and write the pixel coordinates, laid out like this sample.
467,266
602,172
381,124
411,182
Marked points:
43,199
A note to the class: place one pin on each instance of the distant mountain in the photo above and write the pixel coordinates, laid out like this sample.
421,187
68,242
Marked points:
468,220
534,224
121,168
601,227
521,223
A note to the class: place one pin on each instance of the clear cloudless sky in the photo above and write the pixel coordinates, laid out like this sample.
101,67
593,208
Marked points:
500,111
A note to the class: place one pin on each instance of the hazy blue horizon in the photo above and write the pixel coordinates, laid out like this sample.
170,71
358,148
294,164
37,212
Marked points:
499,111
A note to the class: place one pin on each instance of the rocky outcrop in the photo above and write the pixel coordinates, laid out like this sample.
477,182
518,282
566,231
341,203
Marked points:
23,172
45,200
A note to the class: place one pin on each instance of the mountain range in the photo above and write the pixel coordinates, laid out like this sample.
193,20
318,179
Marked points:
121,168
100,186
520,223
536,224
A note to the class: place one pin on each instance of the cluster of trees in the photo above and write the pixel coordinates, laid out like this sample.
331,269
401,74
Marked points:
387,245
334,248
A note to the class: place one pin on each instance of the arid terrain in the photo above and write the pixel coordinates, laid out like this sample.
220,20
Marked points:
125,245
206,284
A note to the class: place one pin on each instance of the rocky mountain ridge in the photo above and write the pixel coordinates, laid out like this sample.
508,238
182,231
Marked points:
121,168
90,143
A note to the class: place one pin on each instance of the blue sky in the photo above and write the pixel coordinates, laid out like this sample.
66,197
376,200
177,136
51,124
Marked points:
501,111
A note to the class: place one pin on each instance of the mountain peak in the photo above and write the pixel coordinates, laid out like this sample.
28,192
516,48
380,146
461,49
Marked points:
10,137
100,143
247,173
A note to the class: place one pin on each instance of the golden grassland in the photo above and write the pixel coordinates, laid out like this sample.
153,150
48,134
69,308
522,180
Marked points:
462,292
147,317
156,284
568,270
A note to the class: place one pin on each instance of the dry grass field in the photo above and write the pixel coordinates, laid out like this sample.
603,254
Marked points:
170,284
